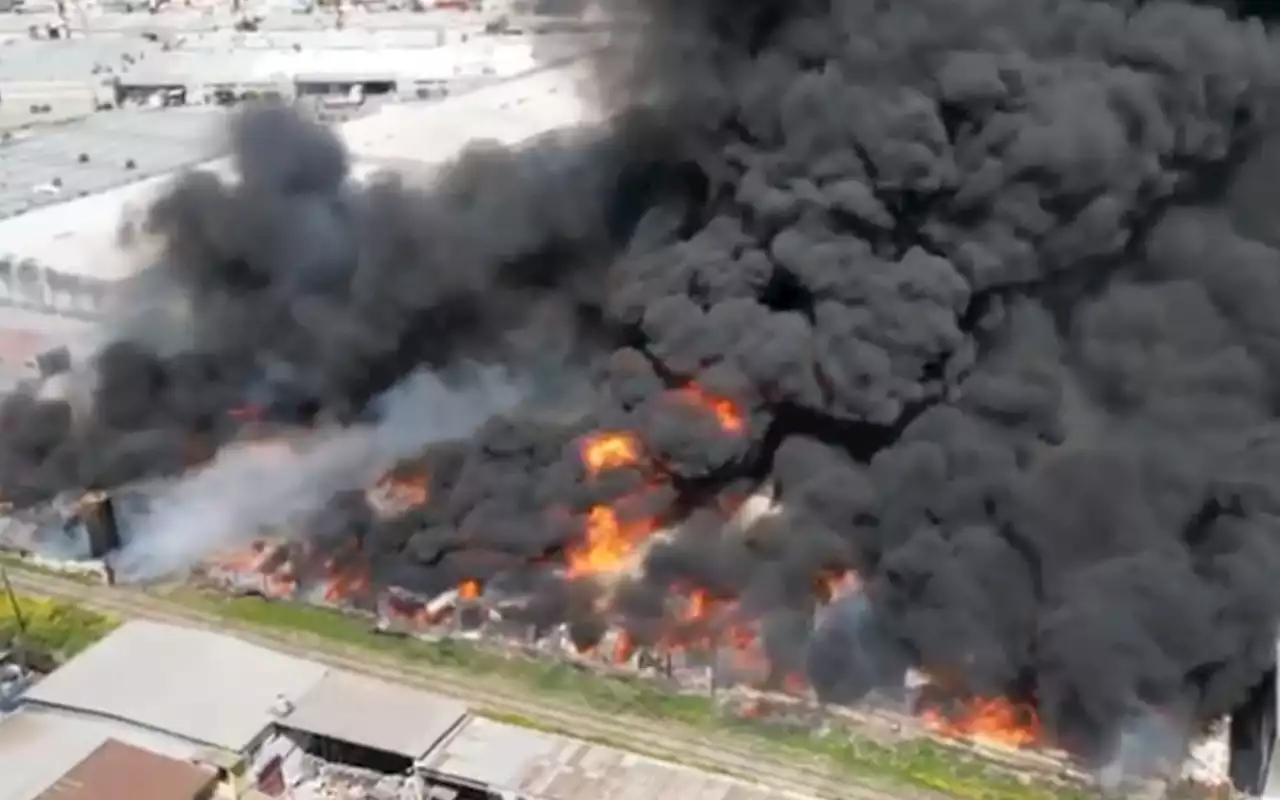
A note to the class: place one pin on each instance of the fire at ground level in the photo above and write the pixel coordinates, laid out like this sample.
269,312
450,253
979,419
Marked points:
708,645
699,641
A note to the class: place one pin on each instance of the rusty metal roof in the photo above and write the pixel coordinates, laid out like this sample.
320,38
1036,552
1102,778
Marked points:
118,771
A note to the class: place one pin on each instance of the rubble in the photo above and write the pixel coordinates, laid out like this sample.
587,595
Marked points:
322,780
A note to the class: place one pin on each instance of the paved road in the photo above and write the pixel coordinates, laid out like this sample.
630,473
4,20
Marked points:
622,726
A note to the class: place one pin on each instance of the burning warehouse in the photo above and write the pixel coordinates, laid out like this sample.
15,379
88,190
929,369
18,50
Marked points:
976,295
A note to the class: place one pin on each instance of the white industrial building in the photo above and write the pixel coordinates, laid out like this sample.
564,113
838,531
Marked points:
67,194
197,74
246,721
154,669
78,235
207,699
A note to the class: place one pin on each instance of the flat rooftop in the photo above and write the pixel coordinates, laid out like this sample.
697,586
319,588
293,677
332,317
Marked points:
210,690
198,686
551,767
384,716
101,151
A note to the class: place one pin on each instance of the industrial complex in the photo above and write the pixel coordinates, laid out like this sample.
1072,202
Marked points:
160,712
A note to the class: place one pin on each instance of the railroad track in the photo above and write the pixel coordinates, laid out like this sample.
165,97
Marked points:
663,739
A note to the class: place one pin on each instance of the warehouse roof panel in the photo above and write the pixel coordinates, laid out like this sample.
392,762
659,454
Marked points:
69,59
204,687
384,716
507,111
544,765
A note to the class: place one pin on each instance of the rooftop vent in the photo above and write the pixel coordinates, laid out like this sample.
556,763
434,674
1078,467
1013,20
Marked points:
282,707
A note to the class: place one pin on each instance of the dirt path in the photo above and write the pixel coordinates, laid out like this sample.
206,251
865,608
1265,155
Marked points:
664,739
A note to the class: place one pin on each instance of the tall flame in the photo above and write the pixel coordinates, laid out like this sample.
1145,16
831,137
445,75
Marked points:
608,542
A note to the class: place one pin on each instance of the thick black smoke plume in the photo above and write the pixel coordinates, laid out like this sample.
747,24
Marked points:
992,281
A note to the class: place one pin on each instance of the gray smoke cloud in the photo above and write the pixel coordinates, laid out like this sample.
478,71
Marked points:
283,484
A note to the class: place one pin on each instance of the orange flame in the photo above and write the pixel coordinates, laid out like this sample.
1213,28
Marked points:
469,589
726,411
608,542
698,604
995,720
610,450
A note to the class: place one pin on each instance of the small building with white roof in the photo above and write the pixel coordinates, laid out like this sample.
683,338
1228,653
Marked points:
213,699
207,689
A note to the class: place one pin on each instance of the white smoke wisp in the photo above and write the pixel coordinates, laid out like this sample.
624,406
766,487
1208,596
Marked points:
244,490
1148,744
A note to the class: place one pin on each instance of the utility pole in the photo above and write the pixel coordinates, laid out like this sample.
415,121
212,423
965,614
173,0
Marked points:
19,648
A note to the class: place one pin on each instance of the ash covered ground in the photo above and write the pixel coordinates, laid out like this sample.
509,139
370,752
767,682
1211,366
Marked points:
983,290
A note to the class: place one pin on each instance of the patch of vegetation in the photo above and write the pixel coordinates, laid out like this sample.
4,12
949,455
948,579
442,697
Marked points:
54,629
922,763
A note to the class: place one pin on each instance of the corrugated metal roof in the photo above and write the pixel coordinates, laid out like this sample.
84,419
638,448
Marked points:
37,747
118,771
205,687
550,767
384,716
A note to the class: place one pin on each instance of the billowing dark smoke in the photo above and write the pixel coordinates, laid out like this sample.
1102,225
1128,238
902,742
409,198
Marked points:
991,281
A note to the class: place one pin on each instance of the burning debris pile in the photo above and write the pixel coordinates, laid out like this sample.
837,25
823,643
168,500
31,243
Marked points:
867,336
